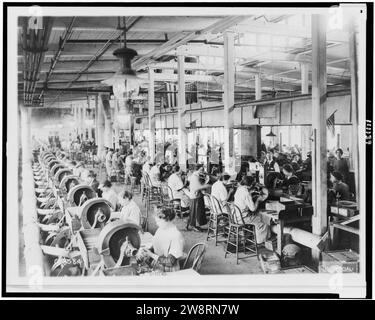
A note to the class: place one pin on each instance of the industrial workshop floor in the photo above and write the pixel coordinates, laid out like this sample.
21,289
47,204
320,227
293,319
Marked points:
214,261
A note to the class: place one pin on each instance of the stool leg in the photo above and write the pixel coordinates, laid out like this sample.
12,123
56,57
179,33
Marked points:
216,230
244,241
255,242
228,239
237,231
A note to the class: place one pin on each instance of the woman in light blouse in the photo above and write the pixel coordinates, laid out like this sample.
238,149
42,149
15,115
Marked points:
197,217
167,243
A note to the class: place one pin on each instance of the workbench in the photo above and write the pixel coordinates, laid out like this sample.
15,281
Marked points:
299,212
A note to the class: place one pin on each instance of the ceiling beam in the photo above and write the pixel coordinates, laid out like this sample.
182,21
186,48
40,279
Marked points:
75,66
72,49
149,24
181,39
292,31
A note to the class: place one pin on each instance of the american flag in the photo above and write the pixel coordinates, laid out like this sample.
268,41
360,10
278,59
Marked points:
331,123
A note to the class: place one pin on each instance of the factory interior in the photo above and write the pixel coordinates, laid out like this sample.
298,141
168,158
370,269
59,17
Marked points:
189,144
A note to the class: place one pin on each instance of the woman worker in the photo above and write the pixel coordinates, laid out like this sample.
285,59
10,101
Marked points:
244,201
197,217
109,194
167,243
130,210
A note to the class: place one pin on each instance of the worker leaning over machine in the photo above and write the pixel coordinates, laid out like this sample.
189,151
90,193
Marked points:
218,190
108,162
93,183
176,185
339,190
243,198
110,194
130,210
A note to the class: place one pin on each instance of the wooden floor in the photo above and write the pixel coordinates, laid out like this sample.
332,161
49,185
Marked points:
214,261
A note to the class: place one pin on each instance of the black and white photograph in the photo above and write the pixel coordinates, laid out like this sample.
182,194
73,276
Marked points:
186,148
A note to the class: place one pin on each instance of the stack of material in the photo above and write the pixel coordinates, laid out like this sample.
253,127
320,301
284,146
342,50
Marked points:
341,261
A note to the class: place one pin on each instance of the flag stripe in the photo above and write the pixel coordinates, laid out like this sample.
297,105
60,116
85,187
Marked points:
331,123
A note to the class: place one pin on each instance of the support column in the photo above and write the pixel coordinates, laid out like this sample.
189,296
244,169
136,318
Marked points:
89,116
131,128
354,106
228,102
304,78
116,125
306,130
258,87
305,140
258,91
319,115
75,118
80,121
151,114
100,127
107,121
84,117
181,123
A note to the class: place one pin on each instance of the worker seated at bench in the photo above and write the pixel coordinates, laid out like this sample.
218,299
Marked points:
167,243
130,211
93,183
339,189
247,199
289,176
155,175
219,189
176,185
109,194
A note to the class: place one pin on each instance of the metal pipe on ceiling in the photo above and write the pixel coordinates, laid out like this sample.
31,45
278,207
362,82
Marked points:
55,59
34,52
95,58
47,33
257,102
25,62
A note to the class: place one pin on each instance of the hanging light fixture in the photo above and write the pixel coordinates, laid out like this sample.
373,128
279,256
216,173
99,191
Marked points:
125,81
89,121
271,134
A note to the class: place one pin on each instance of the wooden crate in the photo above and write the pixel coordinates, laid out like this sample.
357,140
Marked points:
345,261
299,269
345,209
270,263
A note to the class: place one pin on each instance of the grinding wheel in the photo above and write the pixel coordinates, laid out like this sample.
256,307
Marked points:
56,168
61,173
49,161
52,163
74,195
66,180
41,183
90,209
47,157
112,237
